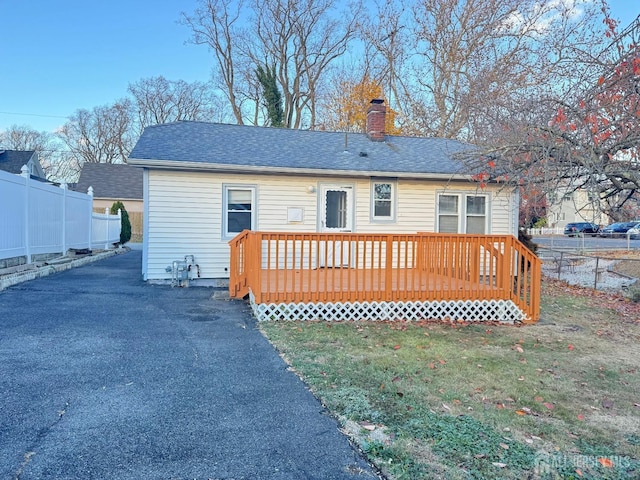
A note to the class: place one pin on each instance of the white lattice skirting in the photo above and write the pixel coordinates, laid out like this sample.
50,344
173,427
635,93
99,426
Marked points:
464,310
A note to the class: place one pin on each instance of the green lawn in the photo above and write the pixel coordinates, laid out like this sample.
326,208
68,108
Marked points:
560,399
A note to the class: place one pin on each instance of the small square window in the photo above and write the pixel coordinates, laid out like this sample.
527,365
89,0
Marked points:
239,210
382,200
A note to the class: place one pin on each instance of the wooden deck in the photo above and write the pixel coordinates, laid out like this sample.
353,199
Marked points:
346,284
284,268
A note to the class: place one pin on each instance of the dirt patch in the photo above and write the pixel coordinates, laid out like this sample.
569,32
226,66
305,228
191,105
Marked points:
630,267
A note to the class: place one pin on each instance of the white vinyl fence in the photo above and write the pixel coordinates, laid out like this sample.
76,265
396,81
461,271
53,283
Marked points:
38,218
546,231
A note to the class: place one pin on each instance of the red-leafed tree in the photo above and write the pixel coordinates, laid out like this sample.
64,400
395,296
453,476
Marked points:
588,138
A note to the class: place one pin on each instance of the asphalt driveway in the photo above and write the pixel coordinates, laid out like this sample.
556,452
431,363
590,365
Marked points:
105,377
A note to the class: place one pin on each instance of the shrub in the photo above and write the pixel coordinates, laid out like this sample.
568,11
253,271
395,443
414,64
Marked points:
125,223
527,241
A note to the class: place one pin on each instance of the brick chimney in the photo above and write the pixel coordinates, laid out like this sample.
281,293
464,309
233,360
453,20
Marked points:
376,114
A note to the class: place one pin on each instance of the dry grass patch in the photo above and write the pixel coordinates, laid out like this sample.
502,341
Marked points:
485,401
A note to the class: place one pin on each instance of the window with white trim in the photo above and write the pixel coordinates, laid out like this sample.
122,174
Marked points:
448,213
383,200
476,209
239,209
462,213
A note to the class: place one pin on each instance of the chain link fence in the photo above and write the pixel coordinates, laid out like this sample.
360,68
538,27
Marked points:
596,270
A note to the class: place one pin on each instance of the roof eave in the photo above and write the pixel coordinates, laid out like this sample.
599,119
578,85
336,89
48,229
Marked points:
217,167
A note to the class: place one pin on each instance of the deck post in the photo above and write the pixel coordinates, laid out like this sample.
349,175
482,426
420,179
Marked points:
388,280
255,268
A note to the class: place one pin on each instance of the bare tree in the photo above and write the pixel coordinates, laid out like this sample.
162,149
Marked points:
218,25
387,46
452,66
22,137
101,135
301,38
53,157
584,138
158,100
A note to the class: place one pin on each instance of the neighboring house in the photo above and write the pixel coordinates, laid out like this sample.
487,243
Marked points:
574,205
205,183
12,161
112,182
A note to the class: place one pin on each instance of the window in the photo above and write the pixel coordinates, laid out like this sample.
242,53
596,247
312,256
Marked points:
476,214
462,213
336,204
567,197
382,200
239,210
448,214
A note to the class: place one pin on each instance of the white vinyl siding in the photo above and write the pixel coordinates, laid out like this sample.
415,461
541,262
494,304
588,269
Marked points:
186,212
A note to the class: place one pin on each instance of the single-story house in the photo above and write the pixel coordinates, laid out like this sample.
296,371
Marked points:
12,161
112,182
205,183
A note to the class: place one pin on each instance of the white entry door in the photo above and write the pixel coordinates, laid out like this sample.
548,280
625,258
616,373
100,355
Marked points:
336,209
336,216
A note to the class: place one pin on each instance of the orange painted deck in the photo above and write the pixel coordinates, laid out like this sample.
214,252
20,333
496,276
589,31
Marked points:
282,268
345,284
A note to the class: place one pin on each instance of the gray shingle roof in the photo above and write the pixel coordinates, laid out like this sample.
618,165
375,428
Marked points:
199,144
111,180
12,160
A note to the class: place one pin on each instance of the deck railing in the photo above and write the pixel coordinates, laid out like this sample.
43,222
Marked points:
356,267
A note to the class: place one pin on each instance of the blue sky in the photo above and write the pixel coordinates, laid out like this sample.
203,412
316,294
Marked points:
57,56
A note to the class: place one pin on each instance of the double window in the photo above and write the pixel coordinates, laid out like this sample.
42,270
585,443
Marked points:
239,209
462,213
383,206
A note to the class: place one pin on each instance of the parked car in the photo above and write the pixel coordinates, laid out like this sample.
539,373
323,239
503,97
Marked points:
618,229
584,228
634,232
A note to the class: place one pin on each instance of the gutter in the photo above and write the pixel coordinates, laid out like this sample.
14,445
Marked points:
225,168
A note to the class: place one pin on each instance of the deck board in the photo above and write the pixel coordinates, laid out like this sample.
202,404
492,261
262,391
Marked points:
347,284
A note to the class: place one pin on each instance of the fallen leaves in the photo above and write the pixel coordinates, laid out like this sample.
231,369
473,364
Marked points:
605,462
368,426
617,302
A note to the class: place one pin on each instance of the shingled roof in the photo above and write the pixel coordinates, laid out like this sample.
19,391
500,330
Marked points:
222,147
12,161
111,180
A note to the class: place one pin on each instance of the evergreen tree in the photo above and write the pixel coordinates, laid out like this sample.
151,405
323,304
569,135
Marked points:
271,94
125,223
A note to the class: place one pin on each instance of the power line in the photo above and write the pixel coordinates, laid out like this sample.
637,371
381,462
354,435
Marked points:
34,115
